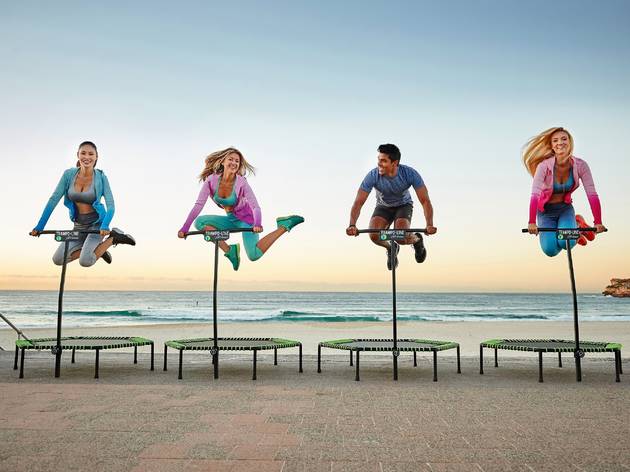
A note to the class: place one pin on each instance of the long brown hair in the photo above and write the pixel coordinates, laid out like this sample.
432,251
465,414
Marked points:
214,163
538,148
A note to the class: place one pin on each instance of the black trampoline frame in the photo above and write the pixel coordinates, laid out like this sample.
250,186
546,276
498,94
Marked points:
344,344
215,236
279,343
567,234
522,345
66,236
393,236
74,343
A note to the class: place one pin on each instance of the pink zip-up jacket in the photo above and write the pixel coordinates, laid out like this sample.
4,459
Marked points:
246,208
542,187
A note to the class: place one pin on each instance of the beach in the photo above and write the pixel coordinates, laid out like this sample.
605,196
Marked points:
135,419
467,334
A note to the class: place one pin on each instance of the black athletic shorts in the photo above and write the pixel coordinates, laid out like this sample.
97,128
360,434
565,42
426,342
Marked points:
393,213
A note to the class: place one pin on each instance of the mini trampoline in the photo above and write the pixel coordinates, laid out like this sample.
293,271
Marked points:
550,345
82,343
378,345
231,344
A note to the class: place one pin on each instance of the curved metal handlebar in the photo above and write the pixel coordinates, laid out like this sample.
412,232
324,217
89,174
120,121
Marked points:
553,230
406,230
231,230
81,231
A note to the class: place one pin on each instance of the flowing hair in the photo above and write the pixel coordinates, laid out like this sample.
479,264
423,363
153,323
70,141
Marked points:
538,148
214,163
87,143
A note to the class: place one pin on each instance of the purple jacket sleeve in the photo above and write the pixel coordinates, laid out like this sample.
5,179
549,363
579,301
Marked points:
248,193
204,193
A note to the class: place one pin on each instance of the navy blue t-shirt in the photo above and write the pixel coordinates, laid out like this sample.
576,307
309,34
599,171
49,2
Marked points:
393,191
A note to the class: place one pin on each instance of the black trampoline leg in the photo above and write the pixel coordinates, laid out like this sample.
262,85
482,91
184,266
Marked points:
96,364
356,376
617,362
73,350
254,372
559,359
415,358
181,356
275,356
578,369
434,365
620,367
212,358
481,360
395,358
319,358
152,356
17,350
215,364
351,358
165,357
22,363
459,366
540,366
135,354
300,346
496,357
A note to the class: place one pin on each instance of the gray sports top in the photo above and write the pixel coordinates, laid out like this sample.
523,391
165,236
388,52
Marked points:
88,196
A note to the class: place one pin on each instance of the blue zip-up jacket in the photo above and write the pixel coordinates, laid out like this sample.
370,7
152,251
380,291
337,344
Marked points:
102,189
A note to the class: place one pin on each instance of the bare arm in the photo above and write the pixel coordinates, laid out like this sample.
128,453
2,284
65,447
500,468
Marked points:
359,201
425,201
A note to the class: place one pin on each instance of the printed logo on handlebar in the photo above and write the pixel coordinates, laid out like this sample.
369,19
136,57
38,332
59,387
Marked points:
66,236
392,234
216,235
568,234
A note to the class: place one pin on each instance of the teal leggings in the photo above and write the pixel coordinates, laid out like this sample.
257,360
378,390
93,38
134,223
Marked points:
250,240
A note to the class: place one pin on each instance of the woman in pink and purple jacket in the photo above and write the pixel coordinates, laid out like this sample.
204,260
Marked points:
224,181
549,159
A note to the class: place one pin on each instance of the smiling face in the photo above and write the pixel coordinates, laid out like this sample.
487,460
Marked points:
87,156
231,163
385,165
561,143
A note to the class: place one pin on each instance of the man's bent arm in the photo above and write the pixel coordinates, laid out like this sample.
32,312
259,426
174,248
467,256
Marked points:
425,201
359,201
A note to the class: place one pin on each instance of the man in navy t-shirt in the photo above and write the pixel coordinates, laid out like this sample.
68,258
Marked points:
393,201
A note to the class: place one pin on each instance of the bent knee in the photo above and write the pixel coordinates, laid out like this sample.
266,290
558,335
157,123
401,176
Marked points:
57,260
87,261
255,254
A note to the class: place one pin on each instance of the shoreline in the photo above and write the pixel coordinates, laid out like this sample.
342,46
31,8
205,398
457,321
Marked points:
467,333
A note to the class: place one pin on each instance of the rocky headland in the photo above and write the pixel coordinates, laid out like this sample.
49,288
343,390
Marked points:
618,288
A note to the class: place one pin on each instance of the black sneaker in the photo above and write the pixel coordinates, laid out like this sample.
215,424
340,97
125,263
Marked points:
119,237
421,251
389,259
107,257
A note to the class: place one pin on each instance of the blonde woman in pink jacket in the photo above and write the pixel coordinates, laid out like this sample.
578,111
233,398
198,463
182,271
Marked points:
557,174
224,182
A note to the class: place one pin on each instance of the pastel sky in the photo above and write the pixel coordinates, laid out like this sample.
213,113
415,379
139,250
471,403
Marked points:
307,91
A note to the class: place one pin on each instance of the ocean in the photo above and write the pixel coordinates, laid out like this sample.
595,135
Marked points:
33,309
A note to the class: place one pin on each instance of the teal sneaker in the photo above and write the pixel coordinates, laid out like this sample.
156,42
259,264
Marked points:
288,222
234,255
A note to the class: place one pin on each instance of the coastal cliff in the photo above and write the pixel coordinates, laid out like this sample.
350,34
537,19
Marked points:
618,288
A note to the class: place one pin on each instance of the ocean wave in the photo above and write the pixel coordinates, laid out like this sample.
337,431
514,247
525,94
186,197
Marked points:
289,315
112,313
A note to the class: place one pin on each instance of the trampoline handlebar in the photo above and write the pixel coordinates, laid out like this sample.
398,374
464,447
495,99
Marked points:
81,231
231,230
553,230
406,230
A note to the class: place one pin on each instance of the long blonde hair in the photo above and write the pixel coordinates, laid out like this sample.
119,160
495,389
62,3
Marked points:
538,148
214,163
